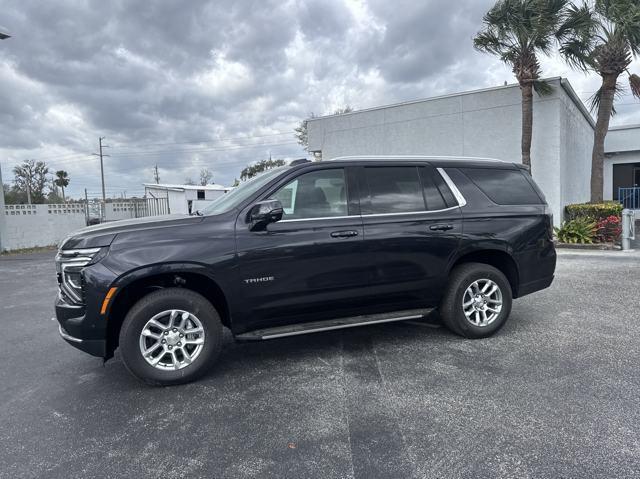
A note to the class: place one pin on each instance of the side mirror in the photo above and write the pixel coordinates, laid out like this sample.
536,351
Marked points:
263,213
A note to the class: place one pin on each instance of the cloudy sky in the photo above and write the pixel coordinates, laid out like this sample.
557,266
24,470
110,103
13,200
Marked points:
219,84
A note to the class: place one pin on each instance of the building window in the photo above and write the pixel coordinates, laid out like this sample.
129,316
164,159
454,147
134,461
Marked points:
201,194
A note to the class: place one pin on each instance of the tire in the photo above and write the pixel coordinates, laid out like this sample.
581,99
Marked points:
187,338
452,309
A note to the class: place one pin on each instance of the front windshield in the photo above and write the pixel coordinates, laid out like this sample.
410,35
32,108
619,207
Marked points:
240,193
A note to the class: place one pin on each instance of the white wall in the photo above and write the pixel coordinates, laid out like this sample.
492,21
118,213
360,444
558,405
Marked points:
119,211
483,123
622,146
30,226
617,159
576,144
179,199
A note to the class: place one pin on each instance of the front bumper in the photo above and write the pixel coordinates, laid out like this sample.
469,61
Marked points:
94,347
82,326
71,321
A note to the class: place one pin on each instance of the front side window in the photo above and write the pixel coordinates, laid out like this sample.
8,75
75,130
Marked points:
317,194
394,189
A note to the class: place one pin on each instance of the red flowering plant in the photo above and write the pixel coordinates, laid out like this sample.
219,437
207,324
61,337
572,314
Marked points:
609,229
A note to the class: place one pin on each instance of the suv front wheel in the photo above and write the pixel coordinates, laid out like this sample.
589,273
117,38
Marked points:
477,302
170,336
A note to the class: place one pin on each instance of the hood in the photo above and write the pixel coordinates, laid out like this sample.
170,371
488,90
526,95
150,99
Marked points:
104,234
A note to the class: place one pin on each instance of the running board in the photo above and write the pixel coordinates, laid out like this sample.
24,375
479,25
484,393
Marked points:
328,325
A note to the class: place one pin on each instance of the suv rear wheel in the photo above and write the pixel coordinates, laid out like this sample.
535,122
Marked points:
170,336
477,302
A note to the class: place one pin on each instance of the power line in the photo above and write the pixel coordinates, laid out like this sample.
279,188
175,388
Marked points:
147,145
183,151
204,141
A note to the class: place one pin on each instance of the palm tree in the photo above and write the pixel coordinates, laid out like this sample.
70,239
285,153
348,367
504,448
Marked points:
518,31
606,46
62,180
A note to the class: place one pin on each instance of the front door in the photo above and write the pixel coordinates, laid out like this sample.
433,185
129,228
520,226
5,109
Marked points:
412,227
309,265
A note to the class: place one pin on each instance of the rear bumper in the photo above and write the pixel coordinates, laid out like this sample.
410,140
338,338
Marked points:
534,286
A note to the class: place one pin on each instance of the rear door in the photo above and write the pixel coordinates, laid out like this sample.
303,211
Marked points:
412,228
309,265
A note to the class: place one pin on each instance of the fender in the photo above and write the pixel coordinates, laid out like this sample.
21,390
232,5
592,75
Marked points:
498,246
147,271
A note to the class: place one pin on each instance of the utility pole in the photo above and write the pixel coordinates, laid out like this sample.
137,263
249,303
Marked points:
101,155
104,196
156,175
86,207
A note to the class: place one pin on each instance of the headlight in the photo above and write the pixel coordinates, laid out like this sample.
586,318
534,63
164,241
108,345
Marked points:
69,265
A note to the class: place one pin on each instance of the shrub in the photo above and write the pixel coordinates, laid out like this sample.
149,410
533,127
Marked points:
580,230
609,229
593,211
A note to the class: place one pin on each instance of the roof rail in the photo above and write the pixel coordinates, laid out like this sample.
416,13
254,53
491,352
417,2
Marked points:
299,162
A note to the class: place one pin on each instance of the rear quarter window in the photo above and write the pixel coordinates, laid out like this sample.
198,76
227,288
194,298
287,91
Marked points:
504,187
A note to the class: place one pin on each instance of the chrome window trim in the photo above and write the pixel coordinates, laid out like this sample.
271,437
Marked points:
319,218
452,186
424,212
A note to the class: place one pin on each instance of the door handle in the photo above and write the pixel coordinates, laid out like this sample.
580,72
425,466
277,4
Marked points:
344,234
440,227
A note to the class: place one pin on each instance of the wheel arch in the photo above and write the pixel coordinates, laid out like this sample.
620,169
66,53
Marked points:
135,285
498,258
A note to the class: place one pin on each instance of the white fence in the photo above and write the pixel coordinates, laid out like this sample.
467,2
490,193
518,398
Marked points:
136,208
31,226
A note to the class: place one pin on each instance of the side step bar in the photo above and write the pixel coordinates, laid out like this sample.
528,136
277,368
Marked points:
328,325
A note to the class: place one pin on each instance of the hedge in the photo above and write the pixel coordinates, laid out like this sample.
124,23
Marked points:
593,211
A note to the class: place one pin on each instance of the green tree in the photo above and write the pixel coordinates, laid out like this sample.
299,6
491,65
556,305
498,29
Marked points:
518,31
264,165
62,180
30,178
606,45
301,134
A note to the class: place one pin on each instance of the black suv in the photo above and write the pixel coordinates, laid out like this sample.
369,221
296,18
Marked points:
308,247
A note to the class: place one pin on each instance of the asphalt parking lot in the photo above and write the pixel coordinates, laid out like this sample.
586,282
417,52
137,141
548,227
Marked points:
554,394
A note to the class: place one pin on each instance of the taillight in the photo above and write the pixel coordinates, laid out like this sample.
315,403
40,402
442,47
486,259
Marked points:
549,215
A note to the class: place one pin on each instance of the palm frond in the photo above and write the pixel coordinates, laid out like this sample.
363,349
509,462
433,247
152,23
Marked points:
634,82
542,88
594,100
576,54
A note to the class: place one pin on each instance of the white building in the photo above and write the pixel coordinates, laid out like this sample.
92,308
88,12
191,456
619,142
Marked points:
185,199
487,123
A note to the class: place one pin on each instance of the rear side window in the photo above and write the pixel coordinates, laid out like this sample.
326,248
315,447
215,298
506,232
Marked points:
504,187
436,192
394,189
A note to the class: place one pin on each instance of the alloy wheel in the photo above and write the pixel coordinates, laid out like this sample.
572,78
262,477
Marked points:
482,302
172,339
